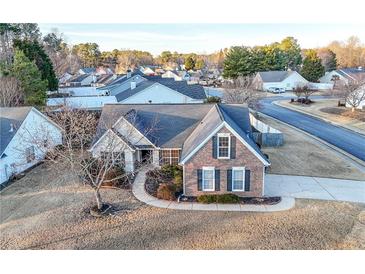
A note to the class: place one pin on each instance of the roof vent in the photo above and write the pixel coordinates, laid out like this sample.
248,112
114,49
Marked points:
129,74
11,127
133,85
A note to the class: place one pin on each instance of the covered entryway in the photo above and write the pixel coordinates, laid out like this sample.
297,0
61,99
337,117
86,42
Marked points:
146,156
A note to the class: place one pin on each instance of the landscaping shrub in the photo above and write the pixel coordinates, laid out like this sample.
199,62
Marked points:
168,174
218,198
166,191
122,180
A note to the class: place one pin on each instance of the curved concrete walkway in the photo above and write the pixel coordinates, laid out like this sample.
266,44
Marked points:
141,194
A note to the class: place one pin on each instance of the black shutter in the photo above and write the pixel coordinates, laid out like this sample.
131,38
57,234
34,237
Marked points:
214,147
229,179
247,180
233,147
217,180
200,180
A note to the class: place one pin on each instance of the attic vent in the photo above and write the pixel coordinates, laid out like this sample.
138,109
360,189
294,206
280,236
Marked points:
133,85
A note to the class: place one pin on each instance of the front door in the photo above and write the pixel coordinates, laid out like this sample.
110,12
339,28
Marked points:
146,156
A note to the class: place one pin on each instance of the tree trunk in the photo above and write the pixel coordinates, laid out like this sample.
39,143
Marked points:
99,202
353,109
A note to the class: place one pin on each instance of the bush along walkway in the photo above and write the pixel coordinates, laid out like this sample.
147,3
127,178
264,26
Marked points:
140,193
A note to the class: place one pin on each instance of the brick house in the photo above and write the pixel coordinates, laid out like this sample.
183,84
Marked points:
212,142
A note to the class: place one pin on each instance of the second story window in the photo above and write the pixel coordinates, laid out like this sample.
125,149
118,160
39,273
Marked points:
223,146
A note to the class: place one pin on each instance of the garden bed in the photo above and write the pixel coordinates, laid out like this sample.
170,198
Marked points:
240,200
164,183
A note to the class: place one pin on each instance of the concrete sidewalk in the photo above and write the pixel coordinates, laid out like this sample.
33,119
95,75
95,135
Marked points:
140,193
315,188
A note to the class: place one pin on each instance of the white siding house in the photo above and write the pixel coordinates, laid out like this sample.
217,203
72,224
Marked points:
26,135
159,94
287,80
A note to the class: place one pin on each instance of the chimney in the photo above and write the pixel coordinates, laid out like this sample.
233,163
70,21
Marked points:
133,85
129,73
11,127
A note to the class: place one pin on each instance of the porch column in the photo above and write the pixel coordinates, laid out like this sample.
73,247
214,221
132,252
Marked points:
129,160
156,157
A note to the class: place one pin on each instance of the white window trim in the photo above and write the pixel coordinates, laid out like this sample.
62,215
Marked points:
210,168
244,174
229,145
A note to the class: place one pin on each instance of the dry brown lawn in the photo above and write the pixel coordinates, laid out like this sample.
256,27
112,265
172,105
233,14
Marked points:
43,212
303,155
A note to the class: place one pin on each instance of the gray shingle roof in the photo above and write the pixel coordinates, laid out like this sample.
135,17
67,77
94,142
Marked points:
130,92
171,123
179,125
88,70
78,78
8,116
192,91
274,76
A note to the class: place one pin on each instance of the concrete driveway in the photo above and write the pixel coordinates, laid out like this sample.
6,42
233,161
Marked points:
315,188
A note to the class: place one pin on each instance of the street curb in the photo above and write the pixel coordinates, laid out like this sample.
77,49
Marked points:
318,117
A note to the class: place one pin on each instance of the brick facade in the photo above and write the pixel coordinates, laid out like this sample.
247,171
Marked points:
244,158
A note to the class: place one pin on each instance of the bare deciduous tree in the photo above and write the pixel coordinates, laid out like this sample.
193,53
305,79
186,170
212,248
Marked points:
10,92
242,91
94,168
354,94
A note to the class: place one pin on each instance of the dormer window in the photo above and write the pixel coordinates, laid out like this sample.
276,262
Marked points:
223,145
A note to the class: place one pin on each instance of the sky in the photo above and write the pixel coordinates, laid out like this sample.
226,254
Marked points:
201,38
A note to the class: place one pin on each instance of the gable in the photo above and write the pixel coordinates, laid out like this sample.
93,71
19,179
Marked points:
295,77
207,145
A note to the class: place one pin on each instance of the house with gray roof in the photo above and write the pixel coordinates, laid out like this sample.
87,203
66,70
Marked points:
212,142
81,80
25,136
344,76
287,80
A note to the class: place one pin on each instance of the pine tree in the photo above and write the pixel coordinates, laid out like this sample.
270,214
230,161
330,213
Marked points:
312,68
35,52
33,87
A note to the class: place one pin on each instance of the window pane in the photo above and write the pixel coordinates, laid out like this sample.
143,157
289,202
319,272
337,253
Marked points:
208,182
223,141
238,175
238,185
223,152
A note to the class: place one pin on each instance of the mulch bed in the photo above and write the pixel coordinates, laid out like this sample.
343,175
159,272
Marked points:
243,200
359,115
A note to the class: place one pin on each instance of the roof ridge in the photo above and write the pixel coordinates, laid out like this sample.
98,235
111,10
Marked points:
219,112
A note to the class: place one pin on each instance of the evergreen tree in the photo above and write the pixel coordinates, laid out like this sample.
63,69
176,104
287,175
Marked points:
189,63
238,62
312,68
292,53
35,52
32,85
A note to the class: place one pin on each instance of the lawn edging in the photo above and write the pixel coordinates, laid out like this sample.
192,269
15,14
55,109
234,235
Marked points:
140,193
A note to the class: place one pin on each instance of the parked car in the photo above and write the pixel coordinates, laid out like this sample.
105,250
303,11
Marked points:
276,90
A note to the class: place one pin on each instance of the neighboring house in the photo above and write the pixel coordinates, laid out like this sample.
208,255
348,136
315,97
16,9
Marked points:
26,135
212,143
103,71
104,79
278,79
161,91
344,76
147,71
87,71
64,78
136,88
81,80
172,74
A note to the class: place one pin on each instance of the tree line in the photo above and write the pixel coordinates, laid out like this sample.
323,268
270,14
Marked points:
287,55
